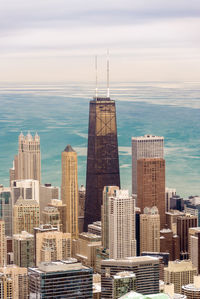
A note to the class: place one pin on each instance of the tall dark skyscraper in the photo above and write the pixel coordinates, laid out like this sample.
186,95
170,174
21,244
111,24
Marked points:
102,156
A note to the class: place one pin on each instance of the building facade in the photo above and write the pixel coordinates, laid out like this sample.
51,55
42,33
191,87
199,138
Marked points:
6,209
3,247
23,249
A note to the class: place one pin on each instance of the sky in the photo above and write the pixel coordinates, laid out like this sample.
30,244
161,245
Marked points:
57,40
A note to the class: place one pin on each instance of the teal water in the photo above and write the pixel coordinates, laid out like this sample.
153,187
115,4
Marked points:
59,113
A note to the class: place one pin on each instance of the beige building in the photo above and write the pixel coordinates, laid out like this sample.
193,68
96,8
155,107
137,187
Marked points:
121,221
150,230
81,208
179,273
192,232
52,246
56,203
192,291
51,215
108,191
3,247
27,164
69,190
23,249
171,219
15,282
86,246
47,193
26,215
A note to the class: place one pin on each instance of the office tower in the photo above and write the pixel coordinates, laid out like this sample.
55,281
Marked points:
150,230
163,258
27,164
3,247
51,215
176,203
58,204
194,244
145,268
86,246
81,208
108,191
26,215
179,273
192,208
27,189
170,242
183,225
6,209
23,249
147,146
95,228
102,156
123,282
121,222
192,291
171,219
137,230
169,192
51,245
47,193
69,189
151,186
61,279
192,232
15,281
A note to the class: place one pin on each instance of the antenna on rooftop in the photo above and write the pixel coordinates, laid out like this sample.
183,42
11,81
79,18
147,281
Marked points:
108,87
96,88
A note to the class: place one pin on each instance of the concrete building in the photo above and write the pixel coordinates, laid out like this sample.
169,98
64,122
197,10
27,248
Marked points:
47,194
193,209
108,191
192,291
170,243
192,232
121,221
145,268
15,281
27,189
58,204
86,246
123,282
151,185
60,279
147,146
51,215
3,247
169,193
27,164
194,252
6,209
81,208
26,215
150,230
69,189
171,219
179,273
23,249
52,246
95,228
183,225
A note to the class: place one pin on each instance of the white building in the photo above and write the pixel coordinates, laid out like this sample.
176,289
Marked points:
122,241
147,146
27,189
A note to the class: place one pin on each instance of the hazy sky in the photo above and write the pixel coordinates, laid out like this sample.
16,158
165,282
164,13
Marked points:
56,40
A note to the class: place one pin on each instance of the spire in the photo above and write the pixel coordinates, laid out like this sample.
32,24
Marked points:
36,136
69,148
108,87
29,136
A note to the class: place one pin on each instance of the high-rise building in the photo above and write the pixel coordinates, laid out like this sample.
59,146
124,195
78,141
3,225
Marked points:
6,209
69,190
23,249
51,215
171,219
81,208
27,189
179,273
3,247
58,204
108,191
123,282
169,192
194,244
183,225
150,230
51,245
26,215
27,164
15,280
170,242
151,185
145,268
147,146
121,222
60,279
47,193
102,156
95,228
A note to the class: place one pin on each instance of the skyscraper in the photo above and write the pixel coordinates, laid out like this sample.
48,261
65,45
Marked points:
69,189
27,164
151,185
147,146
102,156
3,247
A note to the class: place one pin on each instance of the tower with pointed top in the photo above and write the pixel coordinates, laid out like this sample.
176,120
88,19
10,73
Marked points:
27,164
69,190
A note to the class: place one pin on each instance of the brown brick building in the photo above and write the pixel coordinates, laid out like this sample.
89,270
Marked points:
170,243
151,185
